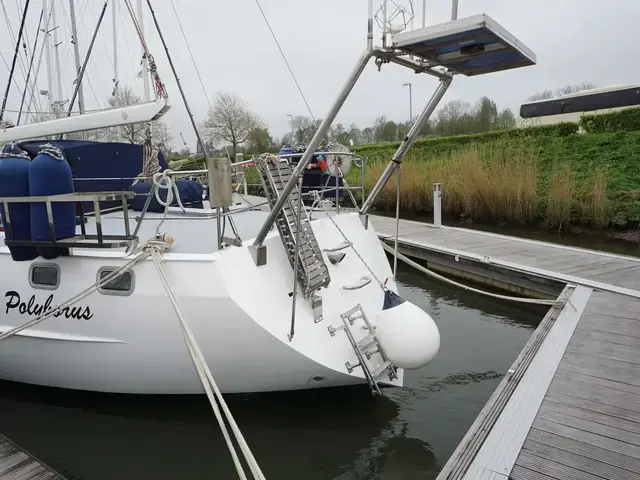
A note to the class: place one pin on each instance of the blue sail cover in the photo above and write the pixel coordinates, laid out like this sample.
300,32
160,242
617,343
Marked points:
98,166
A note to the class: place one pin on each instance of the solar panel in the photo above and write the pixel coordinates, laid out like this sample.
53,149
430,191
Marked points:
470,46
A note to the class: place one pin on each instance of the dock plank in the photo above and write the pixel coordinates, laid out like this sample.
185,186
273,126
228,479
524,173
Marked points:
594,440
593,402
560,468
594,452
16,464
558,406
568,376
616,270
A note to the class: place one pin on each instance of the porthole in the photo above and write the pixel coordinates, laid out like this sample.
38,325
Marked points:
44,275
121,285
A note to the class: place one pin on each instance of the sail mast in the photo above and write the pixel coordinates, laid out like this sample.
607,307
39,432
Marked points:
78,89
145,64
44,44
13,63
56,44
33,56
47,51
114,15
76,54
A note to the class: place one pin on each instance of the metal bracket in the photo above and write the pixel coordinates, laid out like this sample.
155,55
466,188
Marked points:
333,330
316,305
365,221
259,254
350,366
232,241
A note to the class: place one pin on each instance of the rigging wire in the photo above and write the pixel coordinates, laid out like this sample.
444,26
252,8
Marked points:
33,56
95,64
195,66
191,54
13,38
27,42
15,57
285,60
15,82
122,18
65,34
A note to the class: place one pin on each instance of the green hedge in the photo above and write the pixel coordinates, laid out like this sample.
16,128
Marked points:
626,120
437,145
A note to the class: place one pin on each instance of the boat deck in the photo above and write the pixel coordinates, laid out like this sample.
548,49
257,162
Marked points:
16,464
569,406
193,233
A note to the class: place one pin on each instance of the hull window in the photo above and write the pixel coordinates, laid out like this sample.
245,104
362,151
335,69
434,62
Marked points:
121,285
44,275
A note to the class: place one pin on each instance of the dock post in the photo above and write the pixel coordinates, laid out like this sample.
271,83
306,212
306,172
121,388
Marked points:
437,205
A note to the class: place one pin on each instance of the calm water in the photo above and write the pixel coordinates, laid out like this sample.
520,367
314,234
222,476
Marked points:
332,434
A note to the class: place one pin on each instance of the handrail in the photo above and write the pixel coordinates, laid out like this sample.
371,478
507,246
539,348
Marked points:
338,248
364,281
345,154
72,197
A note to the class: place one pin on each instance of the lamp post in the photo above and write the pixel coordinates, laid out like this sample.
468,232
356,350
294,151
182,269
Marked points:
410,102
291,117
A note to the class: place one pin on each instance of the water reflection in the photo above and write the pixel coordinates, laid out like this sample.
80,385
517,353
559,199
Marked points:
325,434
177,436
394,455
414,285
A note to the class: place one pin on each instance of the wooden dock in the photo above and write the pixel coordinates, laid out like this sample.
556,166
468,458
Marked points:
16,464
569,407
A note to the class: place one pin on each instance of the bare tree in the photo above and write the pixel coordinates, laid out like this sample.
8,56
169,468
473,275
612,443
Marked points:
304,128
378,128
506,119
454,117
543,95
578,87
230,120
134,133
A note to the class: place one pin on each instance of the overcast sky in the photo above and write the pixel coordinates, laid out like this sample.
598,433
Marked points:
574,40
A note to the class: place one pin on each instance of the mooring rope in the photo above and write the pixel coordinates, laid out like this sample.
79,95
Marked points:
209,384
408,261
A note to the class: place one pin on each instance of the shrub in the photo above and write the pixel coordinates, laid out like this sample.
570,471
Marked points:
626,120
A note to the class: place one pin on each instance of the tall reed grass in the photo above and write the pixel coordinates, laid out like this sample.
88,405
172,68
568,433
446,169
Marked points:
494,182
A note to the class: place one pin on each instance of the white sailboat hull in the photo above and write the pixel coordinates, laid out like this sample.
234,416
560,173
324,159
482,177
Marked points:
240,315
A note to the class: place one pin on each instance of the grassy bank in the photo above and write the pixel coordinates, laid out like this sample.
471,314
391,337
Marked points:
527,176
591,179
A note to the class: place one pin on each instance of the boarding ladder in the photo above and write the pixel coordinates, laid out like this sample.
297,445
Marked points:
312,270
374,367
